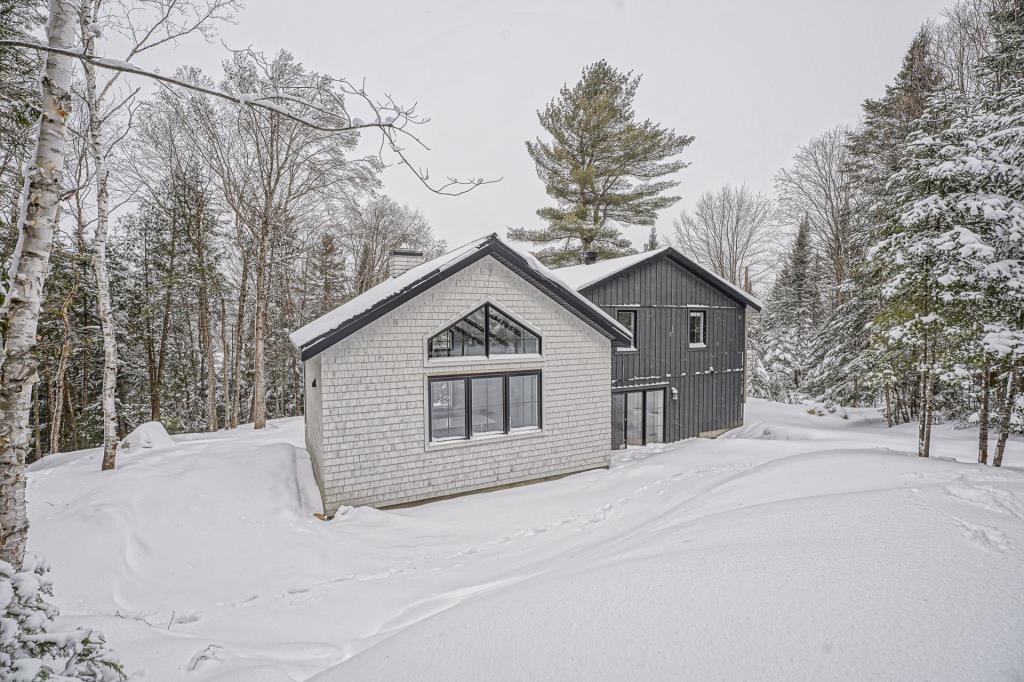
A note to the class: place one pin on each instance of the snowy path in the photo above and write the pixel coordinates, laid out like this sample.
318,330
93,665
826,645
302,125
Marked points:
795,547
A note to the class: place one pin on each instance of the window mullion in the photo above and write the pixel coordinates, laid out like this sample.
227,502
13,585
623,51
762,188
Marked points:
487,330
506,406
468,407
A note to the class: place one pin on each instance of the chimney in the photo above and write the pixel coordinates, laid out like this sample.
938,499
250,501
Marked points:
404,259
589,257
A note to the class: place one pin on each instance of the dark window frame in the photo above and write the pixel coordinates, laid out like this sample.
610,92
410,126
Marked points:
643,391
635,314
486,307
468,379
700,345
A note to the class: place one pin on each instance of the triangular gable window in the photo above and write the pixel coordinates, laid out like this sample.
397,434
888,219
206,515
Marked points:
484,332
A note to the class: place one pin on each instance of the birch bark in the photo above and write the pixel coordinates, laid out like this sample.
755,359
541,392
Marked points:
29,263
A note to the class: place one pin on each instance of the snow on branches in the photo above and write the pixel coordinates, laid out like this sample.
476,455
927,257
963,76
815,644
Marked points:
31,648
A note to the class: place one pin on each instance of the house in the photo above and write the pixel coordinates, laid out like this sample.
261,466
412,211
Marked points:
474,370
683,375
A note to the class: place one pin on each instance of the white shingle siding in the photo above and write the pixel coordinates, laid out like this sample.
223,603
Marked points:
373,444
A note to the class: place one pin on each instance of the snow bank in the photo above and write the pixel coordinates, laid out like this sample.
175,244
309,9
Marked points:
831,553
146,435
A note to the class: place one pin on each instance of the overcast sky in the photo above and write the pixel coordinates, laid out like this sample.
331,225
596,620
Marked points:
751,80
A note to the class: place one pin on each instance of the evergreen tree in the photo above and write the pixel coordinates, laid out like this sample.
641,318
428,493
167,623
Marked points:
789,323
653,242
847,368
603,168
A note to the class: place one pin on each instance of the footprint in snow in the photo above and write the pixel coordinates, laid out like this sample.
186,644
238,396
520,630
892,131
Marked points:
985,536
188,617
239,602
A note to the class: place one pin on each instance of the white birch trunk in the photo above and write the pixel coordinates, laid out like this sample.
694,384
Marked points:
99,251
29,264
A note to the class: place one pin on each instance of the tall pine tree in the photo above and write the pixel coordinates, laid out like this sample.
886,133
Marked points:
603,168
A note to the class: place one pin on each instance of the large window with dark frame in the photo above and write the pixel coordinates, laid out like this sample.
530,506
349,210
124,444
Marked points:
484,332
481,405
638,417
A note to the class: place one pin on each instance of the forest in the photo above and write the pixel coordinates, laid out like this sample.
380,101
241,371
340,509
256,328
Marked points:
902,287
194,232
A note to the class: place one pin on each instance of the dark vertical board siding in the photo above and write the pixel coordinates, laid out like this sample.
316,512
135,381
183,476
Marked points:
662,289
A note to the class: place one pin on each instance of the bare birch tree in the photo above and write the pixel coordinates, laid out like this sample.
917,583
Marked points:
147,24
23,293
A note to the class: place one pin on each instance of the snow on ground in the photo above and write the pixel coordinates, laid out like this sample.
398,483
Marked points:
796,547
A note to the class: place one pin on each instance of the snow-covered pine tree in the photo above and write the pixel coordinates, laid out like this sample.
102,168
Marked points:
978,194
32,648
916,318
603,168
846,368
788,324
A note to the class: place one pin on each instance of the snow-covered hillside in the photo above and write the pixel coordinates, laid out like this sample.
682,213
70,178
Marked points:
797,547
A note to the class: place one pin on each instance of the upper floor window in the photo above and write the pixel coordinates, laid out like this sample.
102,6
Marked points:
627,318
698,328
484,332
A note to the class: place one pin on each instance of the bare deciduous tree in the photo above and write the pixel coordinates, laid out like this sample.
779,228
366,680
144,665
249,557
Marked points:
729,230
818,187
373,230
960,41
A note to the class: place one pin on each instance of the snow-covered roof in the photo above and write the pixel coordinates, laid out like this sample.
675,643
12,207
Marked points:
389,287
312,336
582,276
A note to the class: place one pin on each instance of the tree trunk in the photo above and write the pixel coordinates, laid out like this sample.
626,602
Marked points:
888,404
921,414
99,249
236,370
1009,399
929,410
206,339
57,416
38,453
156,391
986,389
29,263
72,421
259,406
924,430
225,359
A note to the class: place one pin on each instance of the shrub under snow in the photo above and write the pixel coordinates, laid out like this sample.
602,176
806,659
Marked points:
30,649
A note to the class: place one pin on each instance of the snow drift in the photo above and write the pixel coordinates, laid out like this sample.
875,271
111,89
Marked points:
797,547
146,435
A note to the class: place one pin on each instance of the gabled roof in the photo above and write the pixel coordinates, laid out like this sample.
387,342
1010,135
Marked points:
351,316
583,277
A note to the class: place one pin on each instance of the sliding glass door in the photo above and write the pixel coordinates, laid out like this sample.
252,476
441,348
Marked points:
638,418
